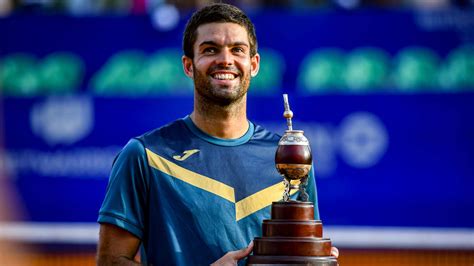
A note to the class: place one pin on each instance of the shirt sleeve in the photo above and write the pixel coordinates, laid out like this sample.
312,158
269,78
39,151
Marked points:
125,202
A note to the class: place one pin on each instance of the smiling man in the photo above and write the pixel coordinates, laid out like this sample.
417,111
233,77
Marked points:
196,191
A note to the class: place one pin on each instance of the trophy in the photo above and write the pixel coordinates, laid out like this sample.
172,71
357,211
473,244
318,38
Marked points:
292,236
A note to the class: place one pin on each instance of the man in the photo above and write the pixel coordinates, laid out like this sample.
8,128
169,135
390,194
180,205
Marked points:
196,190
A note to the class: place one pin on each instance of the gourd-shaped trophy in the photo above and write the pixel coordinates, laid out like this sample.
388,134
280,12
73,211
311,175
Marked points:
292,236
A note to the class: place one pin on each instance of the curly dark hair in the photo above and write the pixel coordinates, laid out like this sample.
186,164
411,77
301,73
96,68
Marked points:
218,12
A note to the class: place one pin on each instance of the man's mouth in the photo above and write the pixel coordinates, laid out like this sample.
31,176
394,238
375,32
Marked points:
224,76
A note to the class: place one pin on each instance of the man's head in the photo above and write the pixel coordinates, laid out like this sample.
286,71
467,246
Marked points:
217,13
220,54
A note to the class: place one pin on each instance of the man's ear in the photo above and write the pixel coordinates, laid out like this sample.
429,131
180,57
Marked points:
255,65
188,66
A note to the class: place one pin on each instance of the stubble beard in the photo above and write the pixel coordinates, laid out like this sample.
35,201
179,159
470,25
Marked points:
220,95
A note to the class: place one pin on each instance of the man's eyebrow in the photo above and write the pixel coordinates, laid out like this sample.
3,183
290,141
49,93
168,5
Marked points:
208,43
240,44
212,43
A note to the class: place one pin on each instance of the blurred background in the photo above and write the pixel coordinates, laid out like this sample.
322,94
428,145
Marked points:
384,90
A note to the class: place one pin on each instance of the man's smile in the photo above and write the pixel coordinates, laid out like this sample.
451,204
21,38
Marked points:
224,73
223,76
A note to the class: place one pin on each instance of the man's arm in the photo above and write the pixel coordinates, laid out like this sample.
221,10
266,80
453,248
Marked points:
116,246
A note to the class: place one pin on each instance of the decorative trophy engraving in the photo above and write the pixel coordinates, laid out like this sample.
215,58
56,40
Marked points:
292,236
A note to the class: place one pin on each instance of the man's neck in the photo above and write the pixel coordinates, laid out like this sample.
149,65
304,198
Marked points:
226,122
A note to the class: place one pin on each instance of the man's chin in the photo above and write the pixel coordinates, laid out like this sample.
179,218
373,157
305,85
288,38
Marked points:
220,94
225,97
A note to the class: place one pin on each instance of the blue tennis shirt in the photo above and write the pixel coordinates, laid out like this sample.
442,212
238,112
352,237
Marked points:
190,197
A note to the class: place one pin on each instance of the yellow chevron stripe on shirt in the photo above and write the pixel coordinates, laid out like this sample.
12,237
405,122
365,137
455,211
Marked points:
243,208
259,200
190,177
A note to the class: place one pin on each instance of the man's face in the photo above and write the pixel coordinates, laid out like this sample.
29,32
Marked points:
222,66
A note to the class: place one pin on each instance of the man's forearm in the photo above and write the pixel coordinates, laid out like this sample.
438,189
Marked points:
116,246
119,261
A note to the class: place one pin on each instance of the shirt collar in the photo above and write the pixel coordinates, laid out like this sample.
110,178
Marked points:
219,141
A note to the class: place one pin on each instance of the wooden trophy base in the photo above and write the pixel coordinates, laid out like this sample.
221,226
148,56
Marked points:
292,236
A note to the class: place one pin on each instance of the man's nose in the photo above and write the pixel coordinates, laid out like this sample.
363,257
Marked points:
224,58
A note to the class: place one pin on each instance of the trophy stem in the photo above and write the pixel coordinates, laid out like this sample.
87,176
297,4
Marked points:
286,193
302,188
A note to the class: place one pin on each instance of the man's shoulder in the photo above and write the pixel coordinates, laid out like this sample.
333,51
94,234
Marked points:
263,134
170,130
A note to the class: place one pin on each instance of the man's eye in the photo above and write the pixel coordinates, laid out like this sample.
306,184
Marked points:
210,50
238,49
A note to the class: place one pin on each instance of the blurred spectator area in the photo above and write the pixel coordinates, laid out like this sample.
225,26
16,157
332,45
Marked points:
323,70
144,6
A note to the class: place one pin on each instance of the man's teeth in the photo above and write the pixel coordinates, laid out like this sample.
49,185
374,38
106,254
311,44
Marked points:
223,76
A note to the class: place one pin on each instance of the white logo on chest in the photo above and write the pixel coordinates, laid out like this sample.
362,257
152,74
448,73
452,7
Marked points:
185,155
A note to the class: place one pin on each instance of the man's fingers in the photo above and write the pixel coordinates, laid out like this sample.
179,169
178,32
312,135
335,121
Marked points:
334,252
232,257
240,254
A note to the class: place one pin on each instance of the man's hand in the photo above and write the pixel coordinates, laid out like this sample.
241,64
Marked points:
232,257
334,252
